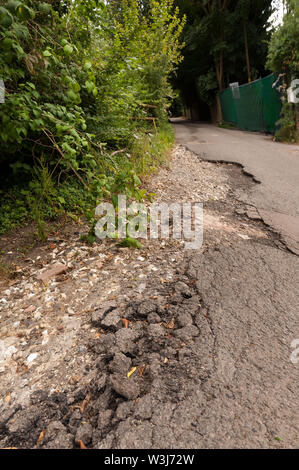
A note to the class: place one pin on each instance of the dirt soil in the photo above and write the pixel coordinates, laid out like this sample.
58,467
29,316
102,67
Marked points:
119,349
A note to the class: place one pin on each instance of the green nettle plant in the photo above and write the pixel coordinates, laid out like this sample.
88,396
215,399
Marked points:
87,94
287,124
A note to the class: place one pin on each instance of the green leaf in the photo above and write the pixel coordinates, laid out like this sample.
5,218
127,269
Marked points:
24,13
7,43
12,5
21,31
72,95
47,53
87,65
131,243
44,7
89,86
5,18
68,49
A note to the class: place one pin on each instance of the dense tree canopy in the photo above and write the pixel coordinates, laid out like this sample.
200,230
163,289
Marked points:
225,41
283,58
88,87
283,53
82,77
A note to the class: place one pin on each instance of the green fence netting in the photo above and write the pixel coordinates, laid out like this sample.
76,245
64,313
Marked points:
255,106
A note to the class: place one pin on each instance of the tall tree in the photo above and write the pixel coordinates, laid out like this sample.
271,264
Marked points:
283,54
225,41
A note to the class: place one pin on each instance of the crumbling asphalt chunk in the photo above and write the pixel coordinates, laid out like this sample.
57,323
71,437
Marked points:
102,310
149,348
155,331
143,408
183,289
57,437
124,410
104,344
146,307
111,319
126,387
126,340
153,318
187,333
120,363
84,433
104,419
22,422
184,319
101,382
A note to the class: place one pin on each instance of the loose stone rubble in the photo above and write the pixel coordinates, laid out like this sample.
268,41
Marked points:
94,337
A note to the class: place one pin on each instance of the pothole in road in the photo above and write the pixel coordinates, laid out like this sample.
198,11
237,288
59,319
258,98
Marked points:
67,391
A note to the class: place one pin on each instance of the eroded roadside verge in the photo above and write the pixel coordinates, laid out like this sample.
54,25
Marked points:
66,349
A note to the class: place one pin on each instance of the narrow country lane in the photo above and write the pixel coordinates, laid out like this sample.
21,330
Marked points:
274,165
160,348
149,264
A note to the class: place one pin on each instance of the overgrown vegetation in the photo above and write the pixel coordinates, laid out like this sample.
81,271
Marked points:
85,111
283,58
225,42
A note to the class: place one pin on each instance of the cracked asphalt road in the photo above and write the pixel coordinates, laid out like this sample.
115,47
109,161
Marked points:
208,349
236,386
274,165
252,301
251,296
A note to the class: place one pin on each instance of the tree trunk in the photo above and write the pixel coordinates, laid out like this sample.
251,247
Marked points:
219,74
219,109
219,71
246,51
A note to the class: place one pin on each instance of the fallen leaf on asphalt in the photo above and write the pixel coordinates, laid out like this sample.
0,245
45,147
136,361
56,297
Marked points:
30,309
41,437
52,272
75,379
125,322
166,360
170,324
83,405
141,370
81,444
131,372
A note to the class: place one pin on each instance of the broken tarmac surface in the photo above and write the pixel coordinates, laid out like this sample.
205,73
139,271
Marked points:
275,166
162,347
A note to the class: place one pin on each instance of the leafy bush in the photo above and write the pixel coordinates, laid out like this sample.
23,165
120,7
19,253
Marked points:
287,124
283,58
283,53
83,79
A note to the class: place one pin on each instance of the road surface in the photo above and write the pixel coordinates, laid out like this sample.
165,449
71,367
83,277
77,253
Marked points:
207,357
274,165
